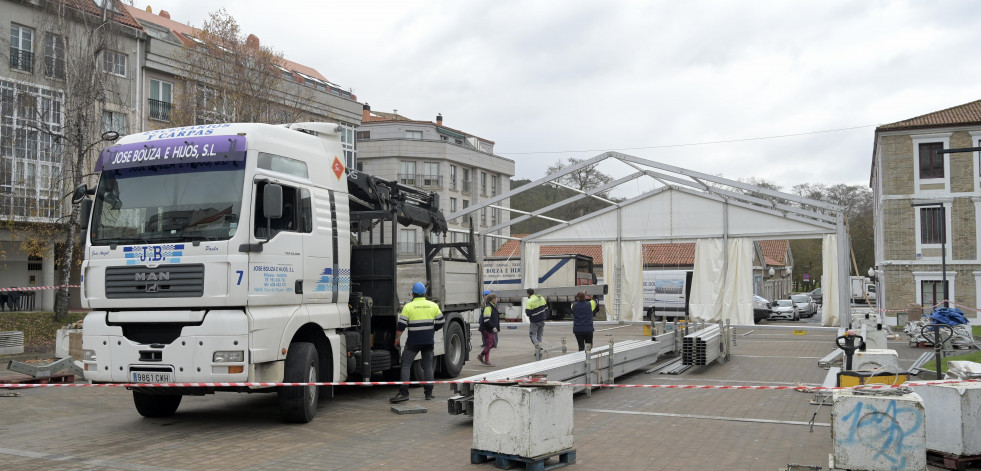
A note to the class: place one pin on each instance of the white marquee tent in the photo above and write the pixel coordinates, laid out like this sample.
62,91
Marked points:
723,217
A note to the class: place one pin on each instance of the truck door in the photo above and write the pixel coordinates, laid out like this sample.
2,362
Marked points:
274,272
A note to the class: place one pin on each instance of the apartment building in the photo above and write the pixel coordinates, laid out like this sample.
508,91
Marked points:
459,166
927,198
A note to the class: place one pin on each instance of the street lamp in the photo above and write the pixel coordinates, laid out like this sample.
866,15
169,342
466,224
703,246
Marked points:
943,242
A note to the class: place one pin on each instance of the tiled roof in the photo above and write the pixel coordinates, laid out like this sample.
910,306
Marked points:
665,255
382,117
183,32
968,113
122,17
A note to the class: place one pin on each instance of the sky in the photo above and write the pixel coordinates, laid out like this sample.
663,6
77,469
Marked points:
785,91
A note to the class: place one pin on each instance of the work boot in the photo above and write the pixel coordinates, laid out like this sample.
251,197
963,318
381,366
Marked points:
400,397
430,396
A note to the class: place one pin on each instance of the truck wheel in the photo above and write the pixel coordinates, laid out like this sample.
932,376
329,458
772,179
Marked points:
156,405
451,363
381,360
298,404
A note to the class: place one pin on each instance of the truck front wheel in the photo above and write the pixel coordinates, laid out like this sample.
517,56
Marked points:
156,405
298,404
454,351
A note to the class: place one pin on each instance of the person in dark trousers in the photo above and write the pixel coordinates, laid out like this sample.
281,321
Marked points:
583,311
536,309
423,319
490,324
486,292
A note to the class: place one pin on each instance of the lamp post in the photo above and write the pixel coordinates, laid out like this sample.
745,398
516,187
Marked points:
943,243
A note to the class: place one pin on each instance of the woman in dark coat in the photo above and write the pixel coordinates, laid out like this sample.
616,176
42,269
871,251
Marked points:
490,324
583,311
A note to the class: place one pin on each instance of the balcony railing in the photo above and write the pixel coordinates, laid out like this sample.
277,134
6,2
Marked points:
421,181
159,110
21,59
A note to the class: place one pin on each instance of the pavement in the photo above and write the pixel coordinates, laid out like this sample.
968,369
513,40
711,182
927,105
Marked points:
88,428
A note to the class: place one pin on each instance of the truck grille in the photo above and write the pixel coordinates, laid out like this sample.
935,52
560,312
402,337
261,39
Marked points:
171,281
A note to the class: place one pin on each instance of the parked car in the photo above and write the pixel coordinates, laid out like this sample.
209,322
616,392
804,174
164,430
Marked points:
761,309
816,295
785,309
808,308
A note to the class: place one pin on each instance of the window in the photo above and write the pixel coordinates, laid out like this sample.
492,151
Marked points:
483,183
413,135
931,225
407,173
34,263
364,135
483,216
466,181
297,213
431,176
466,204
161,96
453,177
932,292
452,205
54,56
407,241
495,180
349,145
21,48
114,63
931,163
114,121
495,215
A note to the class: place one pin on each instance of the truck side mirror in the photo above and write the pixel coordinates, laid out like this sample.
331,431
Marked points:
272,201
79,194
84,211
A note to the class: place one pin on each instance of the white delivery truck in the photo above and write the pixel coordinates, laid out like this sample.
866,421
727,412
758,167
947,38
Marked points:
234,253
860,288
560,277
666,293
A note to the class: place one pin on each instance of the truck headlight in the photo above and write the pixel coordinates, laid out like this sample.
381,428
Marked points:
236,356
88,355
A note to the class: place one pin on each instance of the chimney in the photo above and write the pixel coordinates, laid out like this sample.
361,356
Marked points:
365,112
165,14
439,119
252,41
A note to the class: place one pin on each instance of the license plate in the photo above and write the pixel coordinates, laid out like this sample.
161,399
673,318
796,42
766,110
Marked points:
151,377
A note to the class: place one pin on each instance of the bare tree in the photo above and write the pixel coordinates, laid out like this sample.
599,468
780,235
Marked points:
583,180
57,121
231,78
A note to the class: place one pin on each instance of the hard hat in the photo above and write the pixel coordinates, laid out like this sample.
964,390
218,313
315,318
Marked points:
419,288
486,292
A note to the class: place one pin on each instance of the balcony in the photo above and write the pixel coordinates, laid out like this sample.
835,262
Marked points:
21,59
159,110
421,181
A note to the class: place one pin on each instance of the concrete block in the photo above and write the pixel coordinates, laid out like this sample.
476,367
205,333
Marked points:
953,417
403,410
523,421
875,358
878,432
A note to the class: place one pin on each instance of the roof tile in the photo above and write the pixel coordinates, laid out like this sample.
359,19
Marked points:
968,113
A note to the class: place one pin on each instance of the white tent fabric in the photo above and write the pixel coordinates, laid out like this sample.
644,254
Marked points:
707,279
829,281
632,291
610,262
737,295
530,255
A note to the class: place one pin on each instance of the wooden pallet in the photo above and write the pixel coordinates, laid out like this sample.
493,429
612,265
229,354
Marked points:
538,463
947,461
28,379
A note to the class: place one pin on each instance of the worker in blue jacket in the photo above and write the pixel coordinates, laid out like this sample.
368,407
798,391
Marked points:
583,311
423,319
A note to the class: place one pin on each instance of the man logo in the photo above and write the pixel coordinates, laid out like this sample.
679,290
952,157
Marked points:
152,276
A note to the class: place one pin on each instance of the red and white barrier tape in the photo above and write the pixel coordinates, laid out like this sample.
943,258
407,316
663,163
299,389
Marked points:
38,288
397,383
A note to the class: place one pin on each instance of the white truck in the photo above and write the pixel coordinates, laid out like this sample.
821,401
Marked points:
666,293
233,253
560,277
860,288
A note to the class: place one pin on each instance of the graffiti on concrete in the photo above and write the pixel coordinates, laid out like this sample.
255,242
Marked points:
884,431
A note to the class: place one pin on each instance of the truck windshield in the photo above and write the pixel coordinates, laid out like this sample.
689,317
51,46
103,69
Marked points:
168,203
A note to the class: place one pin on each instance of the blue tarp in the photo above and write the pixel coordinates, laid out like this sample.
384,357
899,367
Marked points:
949,316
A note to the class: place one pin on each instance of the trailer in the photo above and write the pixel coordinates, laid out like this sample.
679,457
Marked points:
560,278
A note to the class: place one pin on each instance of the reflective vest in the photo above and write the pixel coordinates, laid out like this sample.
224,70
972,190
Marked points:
536,308
422,318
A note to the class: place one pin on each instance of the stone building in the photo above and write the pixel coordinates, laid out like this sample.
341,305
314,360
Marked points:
927,201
